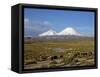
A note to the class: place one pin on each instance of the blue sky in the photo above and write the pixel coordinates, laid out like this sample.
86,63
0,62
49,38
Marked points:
58,20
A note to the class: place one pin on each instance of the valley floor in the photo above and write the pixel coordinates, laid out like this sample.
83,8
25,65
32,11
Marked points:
51,54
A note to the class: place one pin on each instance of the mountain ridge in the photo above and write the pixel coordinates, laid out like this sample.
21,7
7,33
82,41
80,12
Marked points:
66,31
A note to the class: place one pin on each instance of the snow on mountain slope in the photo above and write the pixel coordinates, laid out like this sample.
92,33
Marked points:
66,31
48,33
69,31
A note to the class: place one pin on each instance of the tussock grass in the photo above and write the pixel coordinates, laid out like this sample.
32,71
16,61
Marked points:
74,53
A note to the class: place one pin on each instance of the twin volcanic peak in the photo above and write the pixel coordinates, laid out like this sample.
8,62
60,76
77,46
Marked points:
66,31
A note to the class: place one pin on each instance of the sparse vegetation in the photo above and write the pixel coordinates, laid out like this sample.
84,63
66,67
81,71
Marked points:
67,53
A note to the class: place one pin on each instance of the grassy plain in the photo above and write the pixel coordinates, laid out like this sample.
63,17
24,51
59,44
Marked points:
51,54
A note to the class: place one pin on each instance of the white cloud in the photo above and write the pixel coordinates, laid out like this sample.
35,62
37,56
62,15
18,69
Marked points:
36,26
46,22
26,20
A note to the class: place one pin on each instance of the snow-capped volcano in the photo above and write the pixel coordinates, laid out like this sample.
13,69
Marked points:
66,31
69,31
48,33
